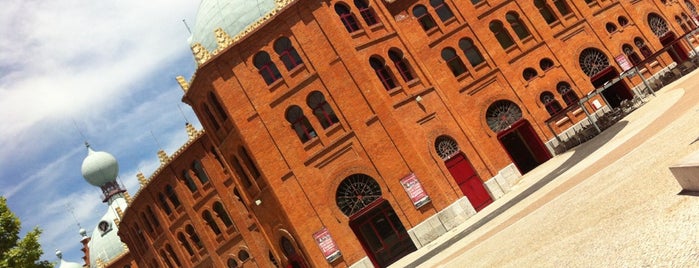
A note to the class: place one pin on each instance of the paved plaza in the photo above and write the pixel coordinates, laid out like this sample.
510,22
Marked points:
610,202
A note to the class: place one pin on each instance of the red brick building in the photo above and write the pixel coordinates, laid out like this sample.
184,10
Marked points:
350,133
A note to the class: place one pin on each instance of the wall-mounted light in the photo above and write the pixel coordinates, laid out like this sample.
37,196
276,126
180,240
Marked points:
258,202
418,99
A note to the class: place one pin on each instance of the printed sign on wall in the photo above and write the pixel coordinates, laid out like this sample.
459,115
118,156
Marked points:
327,245
414,189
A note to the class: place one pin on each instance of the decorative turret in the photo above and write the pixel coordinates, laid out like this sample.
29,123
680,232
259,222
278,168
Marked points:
101,169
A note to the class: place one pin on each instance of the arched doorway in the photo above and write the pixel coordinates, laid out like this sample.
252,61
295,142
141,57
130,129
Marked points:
516,135
595,64
463,172
373,220
295,260
660,28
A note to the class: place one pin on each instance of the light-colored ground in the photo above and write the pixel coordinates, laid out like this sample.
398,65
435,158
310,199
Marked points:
611,202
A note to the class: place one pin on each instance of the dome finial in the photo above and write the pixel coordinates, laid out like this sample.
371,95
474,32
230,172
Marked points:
59,254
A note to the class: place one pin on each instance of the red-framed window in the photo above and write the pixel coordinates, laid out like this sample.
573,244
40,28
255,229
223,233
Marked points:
382,72
300,124
473,56
567,93
401,64
442,9
423,17
287,53
550,102
267,69
321,109
366,12
517,25
453,61
347,18
501,34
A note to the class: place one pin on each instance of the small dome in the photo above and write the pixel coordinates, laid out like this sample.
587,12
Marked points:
99,168
233,16
105,243
66,264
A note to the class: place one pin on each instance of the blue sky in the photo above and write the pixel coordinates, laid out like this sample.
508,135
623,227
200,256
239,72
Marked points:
104,70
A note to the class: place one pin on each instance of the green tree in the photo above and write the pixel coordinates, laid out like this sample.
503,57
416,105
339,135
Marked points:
13,251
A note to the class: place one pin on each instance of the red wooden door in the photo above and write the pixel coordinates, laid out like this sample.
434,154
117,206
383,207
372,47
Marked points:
469,182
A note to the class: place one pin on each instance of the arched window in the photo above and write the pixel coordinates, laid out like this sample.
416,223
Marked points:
641,45
366,11
241,173
199,171
152,217
210,116
610,27
562,7
551,104
658,25
684,26
222,214
569,96
165,258
173,255
172,196
517,25
356,192
185,244
206,215
217,105
287,53
473,56
545,64
692,8
529,74
164,204
232,263
455,64
321,109
267,69
252,168
443,11
243,255
347,17
401,64
623,21
501,34
300,123
382,72
592,61
631,54
688,21
193,236
545,11
424,18
149,226
446,147
189,181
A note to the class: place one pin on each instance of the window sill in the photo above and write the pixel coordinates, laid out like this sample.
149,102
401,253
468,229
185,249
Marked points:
463,76
311,143
274,85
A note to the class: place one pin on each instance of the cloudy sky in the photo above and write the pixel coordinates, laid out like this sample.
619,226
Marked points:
101,71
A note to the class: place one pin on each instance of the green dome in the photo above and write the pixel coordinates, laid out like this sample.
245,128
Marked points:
233,16
99,168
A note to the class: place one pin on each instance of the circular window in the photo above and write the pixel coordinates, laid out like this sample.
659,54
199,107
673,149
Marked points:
592,61
657,24
356,192
243,255
232,263
502,114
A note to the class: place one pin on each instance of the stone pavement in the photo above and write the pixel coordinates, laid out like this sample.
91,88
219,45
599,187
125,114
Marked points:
610,202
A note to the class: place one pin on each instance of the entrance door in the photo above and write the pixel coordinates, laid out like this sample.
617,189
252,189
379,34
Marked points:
615,93
381,233
524,147
469,182
677,52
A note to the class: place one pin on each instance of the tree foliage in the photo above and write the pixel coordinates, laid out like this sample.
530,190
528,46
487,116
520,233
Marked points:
15,252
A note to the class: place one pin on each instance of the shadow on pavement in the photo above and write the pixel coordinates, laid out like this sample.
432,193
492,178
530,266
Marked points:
581,152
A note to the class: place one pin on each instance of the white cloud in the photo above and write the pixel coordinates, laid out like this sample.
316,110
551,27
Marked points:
106,67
